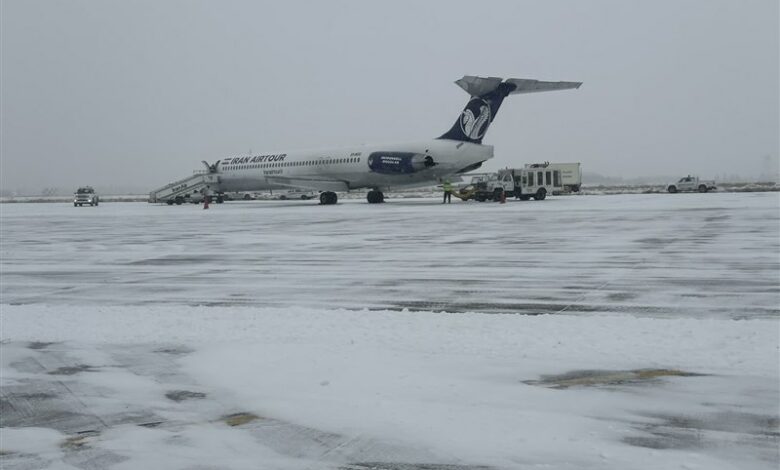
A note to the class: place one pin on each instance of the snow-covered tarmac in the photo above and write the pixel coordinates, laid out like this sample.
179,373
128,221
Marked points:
283,334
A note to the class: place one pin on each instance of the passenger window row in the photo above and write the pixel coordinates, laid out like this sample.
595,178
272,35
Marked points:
292,164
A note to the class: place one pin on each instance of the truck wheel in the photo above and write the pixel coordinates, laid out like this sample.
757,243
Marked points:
179,200
541,194
524,197
497,194
702,188
672,189
74,204
169,202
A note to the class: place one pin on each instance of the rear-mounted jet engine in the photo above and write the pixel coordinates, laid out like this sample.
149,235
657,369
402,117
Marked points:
399,162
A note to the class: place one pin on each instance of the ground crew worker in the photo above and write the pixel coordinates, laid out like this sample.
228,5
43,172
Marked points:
447,186
205,193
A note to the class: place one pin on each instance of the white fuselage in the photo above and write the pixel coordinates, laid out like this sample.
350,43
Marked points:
350,168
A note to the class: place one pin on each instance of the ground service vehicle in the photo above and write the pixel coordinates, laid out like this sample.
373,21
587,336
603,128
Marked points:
300,194
570,174
85,195
691,183
188,189
533,181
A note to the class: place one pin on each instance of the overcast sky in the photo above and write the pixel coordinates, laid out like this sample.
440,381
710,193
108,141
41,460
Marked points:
133,94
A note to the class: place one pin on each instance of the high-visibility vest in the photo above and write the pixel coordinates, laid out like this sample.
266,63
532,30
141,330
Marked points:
447,186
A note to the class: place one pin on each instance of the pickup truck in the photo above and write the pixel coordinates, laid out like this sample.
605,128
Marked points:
691,183
85,195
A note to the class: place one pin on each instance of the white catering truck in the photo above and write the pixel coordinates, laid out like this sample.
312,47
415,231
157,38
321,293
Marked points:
570,174
534,180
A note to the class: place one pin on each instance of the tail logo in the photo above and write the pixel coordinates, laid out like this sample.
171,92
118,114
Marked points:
475,118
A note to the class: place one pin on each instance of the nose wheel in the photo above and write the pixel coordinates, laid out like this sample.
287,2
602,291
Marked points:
375,197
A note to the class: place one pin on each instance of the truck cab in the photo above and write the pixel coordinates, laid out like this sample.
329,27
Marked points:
489,187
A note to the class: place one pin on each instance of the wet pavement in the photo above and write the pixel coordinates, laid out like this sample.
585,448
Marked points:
692,256
659,255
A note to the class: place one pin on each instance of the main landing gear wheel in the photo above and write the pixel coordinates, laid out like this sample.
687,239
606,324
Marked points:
375,197
328,198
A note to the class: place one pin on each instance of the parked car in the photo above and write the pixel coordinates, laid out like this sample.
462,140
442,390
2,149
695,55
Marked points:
303,194
85,195
691,183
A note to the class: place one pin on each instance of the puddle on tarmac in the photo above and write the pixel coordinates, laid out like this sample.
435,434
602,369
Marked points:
174,350
723,430
78,441
409,466
237,419
590,378
181,395
72,370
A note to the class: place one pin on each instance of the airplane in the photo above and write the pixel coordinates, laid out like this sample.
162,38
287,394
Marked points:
380,167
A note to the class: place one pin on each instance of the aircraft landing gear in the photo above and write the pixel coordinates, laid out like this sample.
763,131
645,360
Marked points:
375,197
328,198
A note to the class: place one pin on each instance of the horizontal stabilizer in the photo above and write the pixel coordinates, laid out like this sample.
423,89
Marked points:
525,85
482,86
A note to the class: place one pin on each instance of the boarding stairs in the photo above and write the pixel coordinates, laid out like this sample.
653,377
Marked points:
181,190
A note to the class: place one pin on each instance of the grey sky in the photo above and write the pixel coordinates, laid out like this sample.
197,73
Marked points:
133,94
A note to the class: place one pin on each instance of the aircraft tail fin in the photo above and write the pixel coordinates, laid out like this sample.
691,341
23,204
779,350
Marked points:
487,94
